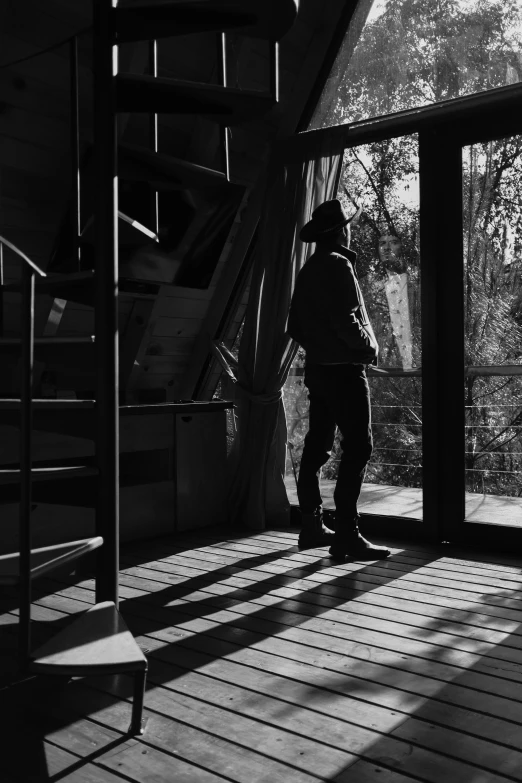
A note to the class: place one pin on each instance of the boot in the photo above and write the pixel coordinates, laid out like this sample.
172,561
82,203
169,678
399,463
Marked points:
313,530
352,544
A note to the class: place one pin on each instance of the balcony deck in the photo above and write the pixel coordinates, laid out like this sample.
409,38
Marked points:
269,664
407,502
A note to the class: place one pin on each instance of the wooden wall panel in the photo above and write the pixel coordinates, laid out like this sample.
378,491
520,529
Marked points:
170,307
170,346
177,327
163,354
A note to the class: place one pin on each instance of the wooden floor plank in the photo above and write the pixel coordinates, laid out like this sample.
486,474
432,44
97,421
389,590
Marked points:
419,604
456,552
287,538
397,563
500,731
302,720
474,645
469,618
407,670
395,567
374,574
432,659
416,676
113,750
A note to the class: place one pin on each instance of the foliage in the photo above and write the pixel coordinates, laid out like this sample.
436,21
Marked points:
419,52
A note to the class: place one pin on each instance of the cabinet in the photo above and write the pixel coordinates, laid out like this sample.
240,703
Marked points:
200,468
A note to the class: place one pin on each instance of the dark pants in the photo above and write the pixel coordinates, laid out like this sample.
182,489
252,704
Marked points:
339,395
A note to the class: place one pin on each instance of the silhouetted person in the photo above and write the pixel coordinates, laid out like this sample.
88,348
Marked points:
329,320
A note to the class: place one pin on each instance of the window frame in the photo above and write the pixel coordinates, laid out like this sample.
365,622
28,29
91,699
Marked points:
443,130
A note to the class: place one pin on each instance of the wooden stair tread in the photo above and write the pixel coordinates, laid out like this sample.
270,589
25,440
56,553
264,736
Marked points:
46,558
98,642
136,21
142,164
81,340
12,475
49,404
226,105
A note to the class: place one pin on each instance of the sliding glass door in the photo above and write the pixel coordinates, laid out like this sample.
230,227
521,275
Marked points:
492,268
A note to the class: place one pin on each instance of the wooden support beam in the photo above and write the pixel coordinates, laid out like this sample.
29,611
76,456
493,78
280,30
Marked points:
442,300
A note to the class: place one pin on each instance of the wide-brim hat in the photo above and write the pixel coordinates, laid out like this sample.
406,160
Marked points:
328,218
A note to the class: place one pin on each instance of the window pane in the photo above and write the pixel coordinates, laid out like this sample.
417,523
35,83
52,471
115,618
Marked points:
379,184
381,180
402,54
492,208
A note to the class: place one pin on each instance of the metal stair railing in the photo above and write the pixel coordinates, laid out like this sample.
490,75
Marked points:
29,270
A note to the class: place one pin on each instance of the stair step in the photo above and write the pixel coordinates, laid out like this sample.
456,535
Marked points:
46,559
12,475
143,165
225,105
82,340
98,642
137,21
80,287
14,404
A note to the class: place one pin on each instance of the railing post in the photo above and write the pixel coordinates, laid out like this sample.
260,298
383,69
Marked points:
222,75
26,384
106,306
274,70
153,135
75,150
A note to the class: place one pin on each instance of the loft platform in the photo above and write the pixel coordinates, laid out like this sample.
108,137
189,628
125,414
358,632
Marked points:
225,105
134,20
46,559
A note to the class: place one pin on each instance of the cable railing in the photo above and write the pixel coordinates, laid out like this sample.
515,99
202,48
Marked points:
390,460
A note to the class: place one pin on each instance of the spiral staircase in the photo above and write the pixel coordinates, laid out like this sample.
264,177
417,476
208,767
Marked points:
98,642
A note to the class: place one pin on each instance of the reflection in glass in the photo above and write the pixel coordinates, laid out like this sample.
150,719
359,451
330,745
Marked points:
402,54
382,180
492,212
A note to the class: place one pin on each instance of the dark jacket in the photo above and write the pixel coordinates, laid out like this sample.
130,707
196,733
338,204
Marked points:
327,314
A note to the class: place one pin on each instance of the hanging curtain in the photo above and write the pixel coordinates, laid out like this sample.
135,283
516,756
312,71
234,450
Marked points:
257,494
